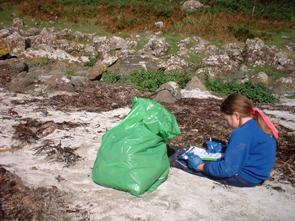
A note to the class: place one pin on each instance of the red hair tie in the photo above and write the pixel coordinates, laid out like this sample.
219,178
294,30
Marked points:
268,122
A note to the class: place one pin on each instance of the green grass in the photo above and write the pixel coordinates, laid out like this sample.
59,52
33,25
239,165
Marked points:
6,11
196,58
112,77
91,62
257,92
141,43
70,73
172,39
275,9
272,9
281,37
84,25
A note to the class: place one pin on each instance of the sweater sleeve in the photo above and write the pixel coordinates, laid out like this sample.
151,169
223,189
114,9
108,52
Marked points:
233,158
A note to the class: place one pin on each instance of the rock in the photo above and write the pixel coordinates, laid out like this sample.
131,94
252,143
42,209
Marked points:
90,51
256,53
46,51
261,77
23,81
46,36
200,44
168,93
12,66
16,42
17,24
173,63
95,73
159,24
4,47
235,51
195,83
4,33
133,63
99,39
101,44
244,68
212,50
109,60
33,31
222,61
77,81
191,6
183,47
56,79
290,46
157,45
285,85
117,43
282,61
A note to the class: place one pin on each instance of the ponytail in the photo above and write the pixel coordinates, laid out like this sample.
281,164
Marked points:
265,123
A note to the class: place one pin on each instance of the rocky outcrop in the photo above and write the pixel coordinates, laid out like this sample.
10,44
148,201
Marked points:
257,53
157,46
233,60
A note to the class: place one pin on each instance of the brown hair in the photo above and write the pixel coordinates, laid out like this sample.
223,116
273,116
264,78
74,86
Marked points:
241,104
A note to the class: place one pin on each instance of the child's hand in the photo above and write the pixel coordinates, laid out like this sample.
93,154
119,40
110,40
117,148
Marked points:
213,146
194,161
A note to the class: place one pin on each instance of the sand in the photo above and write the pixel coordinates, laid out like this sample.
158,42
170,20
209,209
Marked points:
182,197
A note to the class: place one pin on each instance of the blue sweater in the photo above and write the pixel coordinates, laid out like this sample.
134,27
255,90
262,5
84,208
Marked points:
250,154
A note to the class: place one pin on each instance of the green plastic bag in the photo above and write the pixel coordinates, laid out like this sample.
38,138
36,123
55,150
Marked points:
133,155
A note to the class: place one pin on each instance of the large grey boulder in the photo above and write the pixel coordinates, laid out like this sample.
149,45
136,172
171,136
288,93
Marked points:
261,77
195,83
168,93
191,6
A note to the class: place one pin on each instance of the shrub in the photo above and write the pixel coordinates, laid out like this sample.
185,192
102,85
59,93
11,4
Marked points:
91,62
152,80
148,80
111,77
257,92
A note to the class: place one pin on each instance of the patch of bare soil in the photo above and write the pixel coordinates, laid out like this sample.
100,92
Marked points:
19,202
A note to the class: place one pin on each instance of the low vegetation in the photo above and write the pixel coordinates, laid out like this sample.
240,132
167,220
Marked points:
148,80
257,92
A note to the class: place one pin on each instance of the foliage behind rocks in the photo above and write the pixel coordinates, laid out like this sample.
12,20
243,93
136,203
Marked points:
257,92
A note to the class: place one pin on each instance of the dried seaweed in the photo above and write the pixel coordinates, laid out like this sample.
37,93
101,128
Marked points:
19,202
58,153
33,130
